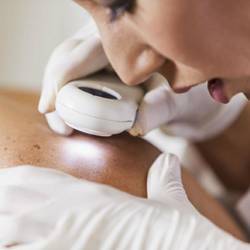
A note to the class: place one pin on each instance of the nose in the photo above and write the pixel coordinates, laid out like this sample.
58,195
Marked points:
130,56
139,66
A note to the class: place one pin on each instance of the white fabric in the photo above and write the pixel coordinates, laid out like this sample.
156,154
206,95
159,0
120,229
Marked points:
193,115
243,208
47,209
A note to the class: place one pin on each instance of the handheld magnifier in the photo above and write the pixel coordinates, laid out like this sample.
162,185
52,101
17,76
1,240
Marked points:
99,105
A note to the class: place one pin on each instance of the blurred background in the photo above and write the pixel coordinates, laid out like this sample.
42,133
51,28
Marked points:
29,31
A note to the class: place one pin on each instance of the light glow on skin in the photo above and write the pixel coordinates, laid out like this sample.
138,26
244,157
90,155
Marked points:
75,150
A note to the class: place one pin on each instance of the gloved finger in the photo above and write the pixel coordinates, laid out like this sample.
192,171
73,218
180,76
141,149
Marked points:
58,125
152,112
157,108
164,183
72,60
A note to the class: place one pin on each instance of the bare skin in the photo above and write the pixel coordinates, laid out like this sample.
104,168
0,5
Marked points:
189,42
26,139
228,154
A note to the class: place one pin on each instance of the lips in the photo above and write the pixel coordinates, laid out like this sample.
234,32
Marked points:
217,90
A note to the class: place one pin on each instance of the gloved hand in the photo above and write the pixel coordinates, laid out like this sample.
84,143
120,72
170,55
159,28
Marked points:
75,58
47,209
193,115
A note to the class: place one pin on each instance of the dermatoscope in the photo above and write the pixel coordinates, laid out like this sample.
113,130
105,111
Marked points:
99,105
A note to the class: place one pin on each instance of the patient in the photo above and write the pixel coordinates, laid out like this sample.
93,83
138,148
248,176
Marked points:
121,161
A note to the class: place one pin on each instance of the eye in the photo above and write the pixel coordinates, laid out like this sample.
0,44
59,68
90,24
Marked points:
119,7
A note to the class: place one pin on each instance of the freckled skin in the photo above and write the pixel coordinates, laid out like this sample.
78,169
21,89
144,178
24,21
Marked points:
31,142
121,161
36,146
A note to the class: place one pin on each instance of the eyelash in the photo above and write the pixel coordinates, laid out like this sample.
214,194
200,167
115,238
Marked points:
117,10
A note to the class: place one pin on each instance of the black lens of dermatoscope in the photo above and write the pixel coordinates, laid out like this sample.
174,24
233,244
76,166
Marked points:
97,92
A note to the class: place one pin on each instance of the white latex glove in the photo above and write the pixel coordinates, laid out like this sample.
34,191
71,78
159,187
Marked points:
47,209
75,58
193,115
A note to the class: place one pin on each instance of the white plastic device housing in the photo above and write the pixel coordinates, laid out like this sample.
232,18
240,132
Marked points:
97,115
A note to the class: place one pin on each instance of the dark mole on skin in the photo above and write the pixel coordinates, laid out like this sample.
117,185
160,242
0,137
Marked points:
20,158
36,146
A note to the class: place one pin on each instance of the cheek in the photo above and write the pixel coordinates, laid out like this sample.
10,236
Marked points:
236,86
196,33
180,31
159,25
173,36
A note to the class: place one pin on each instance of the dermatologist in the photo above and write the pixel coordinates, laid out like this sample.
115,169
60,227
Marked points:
187,44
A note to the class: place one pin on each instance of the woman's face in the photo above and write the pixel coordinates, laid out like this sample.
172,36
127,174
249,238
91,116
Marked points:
189,42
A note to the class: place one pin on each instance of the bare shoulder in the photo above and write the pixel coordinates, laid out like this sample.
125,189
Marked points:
19,128
121,161
228,153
